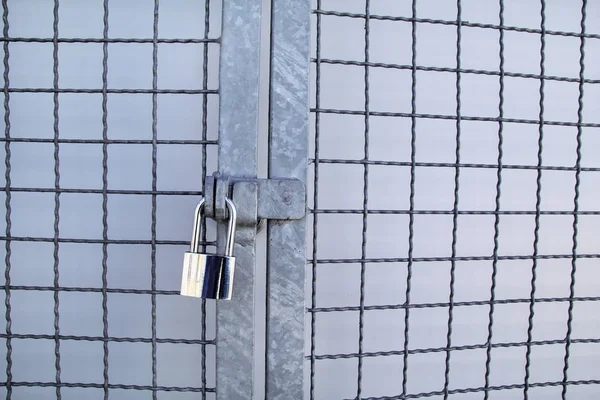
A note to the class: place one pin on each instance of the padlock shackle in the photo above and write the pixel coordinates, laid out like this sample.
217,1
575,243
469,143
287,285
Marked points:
197,231
230,227
196,228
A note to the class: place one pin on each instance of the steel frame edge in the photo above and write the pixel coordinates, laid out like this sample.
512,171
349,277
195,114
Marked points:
238,132
288,158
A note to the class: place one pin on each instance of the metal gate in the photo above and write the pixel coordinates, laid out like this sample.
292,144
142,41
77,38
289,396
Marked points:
448,149
110,124
453,251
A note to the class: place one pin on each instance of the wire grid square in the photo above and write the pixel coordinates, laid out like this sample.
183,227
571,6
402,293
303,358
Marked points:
470,325
76,353
586,353
381,331
437,144
383,285
480,47
80,314
479,95
590,115
72,274
28,254
82,89
80,65
389,89
28,352
130,117
427,372
437,48
76,19
28,174
382,30
127,66
23,126
26,59
79,163
549,321
497,155
592,55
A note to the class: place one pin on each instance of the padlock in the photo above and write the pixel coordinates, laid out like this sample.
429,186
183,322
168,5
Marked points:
209,276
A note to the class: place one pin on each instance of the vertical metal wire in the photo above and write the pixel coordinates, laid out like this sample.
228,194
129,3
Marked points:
56,205
105,197
313,317
154,179
455,205
411,220
456,198
488,355
363,263
204,137
575,200
7,191
538,200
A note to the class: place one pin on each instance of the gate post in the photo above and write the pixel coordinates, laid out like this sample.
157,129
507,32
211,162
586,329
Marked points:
288,158
238,131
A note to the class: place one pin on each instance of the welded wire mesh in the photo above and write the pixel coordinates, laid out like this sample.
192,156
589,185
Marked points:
454,207
109,124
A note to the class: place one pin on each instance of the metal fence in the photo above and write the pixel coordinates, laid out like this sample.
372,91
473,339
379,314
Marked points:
452,187
110,121
453,200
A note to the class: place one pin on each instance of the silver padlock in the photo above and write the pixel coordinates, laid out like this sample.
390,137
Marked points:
209,276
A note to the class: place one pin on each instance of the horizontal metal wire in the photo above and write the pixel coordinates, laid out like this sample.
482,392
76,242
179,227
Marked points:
454,304
485,389
106,339
111,141
451,212
452,348
452,70
112,91
109,386
101,191
453,117
98,241
454,165
455,23
465,258
90,290
101,40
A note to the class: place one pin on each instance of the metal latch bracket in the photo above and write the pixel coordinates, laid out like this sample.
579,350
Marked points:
256,199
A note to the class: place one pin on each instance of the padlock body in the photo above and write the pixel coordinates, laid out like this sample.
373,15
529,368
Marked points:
207,276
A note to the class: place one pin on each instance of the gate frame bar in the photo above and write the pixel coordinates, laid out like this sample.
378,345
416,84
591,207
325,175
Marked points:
238,133
288,158
284,195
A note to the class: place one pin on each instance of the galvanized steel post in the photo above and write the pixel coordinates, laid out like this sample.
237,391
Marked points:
288,158
281,199
238,131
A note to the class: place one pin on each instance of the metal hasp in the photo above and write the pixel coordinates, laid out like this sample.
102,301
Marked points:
255,199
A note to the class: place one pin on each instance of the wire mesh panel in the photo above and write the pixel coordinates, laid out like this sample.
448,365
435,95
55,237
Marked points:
110,122
455,176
